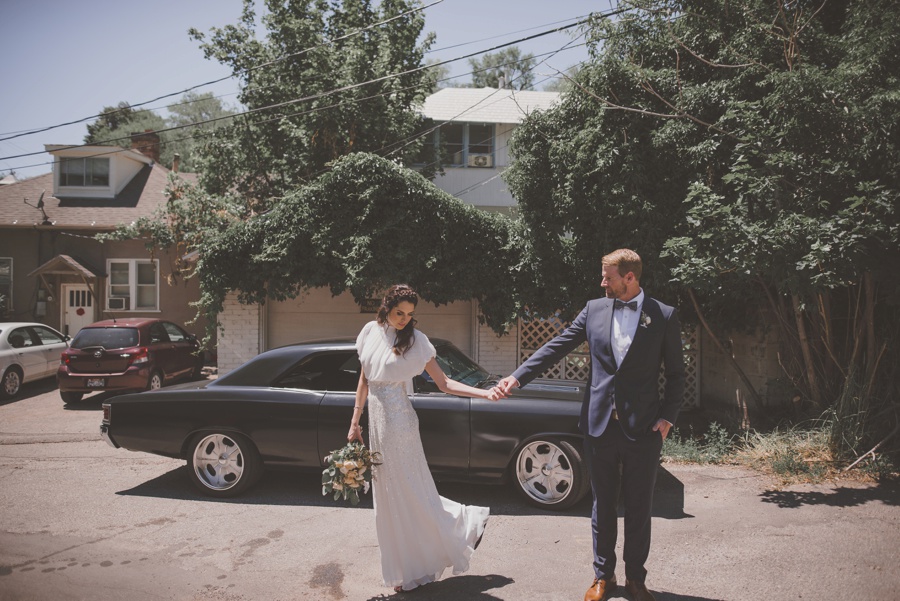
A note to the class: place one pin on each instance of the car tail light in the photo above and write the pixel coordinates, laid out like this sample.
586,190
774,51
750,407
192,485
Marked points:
141,355
106,411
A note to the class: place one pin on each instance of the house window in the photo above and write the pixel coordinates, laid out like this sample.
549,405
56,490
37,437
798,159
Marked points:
467,144
84,172
133,285
6,277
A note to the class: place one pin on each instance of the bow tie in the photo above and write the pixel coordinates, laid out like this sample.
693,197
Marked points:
630,304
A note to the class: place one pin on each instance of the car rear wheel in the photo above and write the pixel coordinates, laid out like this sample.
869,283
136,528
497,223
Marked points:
550,473
223,465
155,382
12,382
71,397
197,373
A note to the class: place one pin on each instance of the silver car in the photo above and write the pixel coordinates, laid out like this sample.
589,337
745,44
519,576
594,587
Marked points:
28,351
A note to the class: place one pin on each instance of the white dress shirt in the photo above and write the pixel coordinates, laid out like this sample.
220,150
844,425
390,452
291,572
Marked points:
625,325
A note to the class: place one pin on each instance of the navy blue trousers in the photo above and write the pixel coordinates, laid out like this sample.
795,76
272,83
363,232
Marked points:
639,461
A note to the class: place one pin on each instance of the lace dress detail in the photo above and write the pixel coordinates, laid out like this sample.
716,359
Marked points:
420,533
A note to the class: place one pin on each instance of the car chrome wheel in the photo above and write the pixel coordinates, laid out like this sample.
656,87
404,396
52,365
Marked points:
550,473
11,383
223,464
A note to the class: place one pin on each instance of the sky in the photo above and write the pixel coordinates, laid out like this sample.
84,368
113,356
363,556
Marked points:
65,60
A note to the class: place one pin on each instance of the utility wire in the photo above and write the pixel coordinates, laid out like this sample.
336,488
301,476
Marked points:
329,92
249,70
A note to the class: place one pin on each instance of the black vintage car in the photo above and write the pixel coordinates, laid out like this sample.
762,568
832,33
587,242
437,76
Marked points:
289,407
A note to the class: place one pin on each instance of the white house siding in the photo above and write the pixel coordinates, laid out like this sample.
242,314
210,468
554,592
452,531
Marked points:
497,354
317,315
502,134
238,336
480,187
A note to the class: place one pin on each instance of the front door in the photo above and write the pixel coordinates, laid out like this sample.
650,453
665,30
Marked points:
78,308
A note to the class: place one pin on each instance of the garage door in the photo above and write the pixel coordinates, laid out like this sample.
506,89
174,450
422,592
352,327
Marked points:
318,315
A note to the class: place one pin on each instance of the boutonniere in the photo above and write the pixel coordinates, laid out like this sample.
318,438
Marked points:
645,320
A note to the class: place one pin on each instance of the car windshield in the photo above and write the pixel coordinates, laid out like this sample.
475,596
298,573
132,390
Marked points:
459,367
106,338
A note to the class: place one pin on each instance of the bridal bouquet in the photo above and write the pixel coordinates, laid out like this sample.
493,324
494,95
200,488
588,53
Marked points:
349,470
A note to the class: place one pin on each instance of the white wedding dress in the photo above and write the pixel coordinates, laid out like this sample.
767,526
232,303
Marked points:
420,533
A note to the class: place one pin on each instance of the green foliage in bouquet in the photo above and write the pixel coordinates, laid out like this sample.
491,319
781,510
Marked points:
349,470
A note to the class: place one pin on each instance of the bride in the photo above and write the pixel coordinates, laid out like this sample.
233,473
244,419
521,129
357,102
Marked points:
420,533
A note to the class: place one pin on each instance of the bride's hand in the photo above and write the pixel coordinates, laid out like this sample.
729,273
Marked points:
355,433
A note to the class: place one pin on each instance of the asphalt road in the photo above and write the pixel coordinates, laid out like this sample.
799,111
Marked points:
80,520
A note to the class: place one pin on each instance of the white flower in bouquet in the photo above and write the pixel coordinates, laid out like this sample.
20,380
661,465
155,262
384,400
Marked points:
348,470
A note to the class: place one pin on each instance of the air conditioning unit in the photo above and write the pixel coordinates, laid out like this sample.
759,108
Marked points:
481,160
118,303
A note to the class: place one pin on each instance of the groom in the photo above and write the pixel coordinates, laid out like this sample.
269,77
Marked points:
622,417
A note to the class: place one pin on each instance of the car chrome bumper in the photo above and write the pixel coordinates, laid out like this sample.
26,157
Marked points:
104,433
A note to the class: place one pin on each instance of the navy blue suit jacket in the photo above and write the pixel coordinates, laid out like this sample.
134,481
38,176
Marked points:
631,388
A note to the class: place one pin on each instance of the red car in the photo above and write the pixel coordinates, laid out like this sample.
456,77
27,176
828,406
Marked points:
127,355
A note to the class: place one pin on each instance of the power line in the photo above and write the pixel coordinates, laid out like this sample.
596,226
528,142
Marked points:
329,92
208,83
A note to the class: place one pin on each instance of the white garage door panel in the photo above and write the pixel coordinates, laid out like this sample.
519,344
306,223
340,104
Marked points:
319,315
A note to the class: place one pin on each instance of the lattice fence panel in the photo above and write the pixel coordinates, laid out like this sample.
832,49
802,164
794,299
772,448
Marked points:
577,365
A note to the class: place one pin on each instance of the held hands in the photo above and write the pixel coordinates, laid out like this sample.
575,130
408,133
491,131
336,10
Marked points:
495,394
507,384
355,433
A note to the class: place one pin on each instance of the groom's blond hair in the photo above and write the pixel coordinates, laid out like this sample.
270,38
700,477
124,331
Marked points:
624,260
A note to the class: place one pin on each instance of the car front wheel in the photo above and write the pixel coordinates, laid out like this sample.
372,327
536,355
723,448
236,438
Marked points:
12,382
223,465
550,473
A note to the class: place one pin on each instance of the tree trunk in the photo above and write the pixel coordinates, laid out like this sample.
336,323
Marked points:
814,392
869,284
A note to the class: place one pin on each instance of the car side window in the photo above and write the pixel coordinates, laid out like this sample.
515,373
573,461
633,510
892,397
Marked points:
47,336
175,333
158,333
20,338
333,372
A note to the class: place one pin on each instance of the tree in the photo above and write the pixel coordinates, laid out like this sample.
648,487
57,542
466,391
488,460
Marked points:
190,109
315,89
509,64
115,125
748,152
563,83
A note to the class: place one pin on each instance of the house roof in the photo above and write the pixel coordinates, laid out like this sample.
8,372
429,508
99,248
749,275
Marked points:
485,105
66,264
139,198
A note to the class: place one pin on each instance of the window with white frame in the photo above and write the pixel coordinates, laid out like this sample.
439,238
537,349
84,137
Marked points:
467,144
133,285
84,172
6,285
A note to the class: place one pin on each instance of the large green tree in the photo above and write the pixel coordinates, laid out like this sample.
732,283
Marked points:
507,68
748,151
183,132
324,81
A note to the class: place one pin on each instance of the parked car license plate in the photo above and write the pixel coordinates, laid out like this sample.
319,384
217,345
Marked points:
96,382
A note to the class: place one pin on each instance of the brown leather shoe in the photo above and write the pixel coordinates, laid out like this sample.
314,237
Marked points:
600,589
638,591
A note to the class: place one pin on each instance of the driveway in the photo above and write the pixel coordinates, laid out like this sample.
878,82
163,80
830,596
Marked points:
80,520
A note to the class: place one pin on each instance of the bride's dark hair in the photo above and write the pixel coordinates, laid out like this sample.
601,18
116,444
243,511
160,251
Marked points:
396,295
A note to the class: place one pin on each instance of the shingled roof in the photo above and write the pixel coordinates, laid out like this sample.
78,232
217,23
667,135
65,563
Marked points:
485,105
139,198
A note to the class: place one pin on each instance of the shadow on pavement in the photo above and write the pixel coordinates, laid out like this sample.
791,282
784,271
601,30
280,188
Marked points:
304,488
884,492
31,390
472,588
